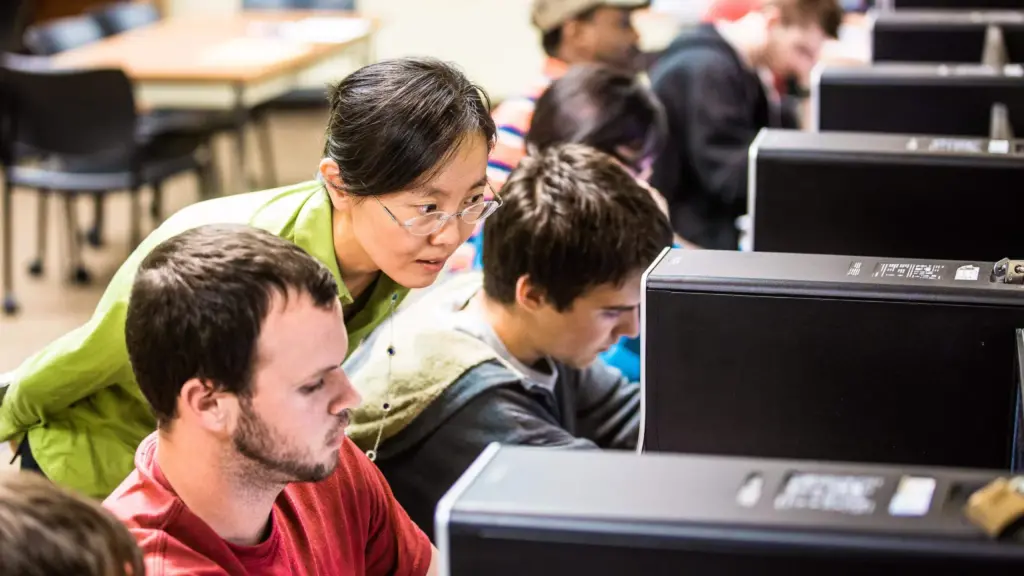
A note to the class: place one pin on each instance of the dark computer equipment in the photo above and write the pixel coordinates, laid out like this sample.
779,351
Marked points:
955,4
852,358
885,195
956,100
539,511
948,36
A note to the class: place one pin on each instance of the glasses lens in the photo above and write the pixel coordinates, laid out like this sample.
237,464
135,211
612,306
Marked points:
479,211
426,224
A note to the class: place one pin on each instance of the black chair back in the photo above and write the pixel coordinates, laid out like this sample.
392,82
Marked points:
124,16
299,4
332,4
63,34
70,113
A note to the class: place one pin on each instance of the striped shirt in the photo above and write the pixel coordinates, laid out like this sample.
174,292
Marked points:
512,119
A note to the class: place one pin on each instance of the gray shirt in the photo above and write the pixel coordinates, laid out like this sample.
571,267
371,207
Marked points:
566,407
471,320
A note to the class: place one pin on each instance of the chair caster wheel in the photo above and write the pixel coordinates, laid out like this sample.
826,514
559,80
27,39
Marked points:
36,267
10,305
81,276
94,237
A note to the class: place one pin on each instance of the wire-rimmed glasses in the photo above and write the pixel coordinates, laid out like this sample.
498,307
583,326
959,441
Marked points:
427,224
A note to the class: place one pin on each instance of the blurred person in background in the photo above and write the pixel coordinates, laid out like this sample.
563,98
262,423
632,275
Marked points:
572,32
713,85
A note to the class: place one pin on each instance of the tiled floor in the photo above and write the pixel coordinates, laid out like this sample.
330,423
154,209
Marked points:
51,306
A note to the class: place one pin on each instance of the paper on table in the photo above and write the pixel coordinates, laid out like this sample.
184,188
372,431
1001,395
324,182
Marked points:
325,30
249,51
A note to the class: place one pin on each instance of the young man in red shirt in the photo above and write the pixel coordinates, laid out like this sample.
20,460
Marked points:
236,338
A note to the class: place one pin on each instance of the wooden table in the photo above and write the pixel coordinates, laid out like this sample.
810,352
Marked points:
233,62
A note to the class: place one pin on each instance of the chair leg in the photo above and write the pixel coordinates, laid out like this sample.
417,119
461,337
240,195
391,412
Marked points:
211,169
79,275
42,216
10,303
95,234
136,217
266,145
156,209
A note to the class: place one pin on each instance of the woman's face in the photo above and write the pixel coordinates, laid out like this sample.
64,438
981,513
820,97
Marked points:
412,260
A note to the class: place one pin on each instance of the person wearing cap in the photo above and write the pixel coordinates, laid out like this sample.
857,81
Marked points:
573,32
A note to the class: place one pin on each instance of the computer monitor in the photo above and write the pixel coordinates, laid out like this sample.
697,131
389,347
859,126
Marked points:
885,195
807,356
538,511
940,99
948,36
953,4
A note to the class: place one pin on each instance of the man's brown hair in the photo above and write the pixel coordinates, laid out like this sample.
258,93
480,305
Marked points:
573,219
46,530
827,14
199,301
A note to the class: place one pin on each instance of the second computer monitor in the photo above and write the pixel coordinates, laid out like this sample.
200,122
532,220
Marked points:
885,195
946,36
956,100
816,357
955,4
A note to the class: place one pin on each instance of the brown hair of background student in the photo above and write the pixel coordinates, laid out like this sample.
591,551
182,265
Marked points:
604,108
46,530
607,230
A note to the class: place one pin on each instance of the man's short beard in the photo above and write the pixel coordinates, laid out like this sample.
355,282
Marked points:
257,442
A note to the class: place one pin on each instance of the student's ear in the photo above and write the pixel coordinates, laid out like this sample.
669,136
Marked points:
528,296
330,175
213,409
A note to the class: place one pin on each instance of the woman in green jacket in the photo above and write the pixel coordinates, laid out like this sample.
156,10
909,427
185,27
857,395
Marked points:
400,186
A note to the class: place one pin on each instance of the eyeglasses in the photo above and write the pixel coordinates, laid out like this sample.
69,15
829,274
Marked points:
427,224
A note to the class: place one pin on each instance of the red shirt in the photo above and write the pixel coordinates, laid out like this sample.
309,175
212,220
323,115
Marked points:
348,524
730,10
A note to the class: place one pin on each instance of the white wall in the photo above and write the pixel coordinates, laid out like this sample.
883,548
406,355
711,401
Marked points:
492,40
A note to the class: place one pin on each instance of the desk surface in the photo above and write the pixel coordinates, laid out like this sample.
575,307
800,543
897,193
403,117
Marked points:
239,48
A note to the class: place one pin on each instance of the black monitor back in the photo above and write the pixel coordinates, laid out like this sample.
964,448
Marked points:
885,195
538,511
830,358
957,4
916,98
950,36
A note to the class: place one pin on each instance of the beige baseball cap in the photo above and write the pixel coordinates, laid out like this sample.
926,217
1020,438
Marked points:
550,14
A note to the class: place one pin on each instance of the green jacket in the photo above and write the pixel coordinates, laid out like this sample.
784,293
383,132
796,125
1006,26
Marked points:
77,399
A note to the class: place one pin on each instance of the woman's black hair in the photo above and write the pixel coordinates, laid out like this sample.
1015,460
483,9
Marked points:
396,123
601,107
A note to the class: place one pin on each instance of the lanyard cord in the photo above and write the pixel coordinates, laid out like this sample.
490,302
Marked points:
386,406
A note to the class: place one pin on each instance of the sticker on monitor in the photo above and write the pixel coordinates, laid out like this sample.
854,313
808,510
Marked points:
908,271
913,496
967,272
846,494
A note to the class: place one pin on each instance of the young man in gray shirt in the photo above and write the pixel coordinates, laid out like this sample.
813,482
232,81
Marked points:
510,356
